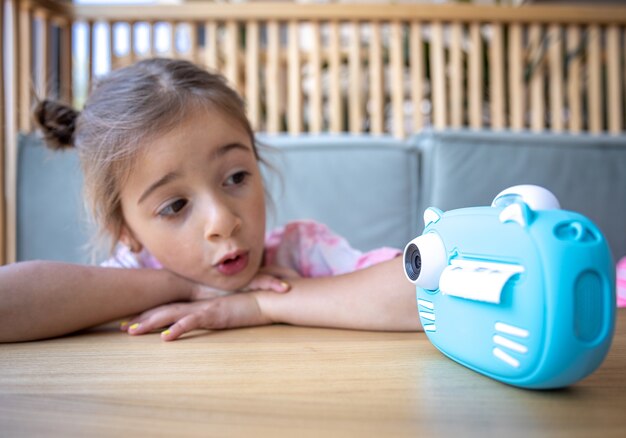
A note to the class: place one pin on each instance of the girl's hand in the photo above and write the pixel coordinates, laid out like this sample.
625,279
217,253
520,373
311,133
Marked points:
237,310
272,278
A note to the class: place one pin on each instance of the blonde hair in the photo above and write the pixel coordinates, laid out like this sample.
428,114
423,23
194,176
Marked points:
125,109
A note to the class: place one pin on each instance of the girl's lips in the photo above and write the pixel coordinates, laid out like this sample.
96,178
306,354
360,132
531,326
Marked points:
234,265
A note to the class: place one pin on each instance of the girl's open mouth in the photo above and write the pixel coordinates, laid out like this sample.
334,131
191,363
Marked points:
234,265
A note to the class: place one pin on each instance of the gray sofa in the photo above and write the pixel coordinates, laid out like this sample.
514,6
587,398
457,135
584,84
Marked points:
372,190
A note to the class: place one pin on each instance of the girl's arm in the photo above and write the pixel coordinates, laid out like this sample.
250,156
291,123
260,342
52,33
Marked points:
44,299
377,298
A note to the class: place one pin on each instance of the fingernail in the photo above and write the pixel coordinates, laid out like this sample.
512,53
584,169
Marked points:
165,332
285,285
134,326
123,325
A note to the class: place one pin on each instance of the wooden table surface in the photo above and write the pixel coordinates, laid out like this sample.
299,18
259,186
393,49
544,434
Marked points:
286,381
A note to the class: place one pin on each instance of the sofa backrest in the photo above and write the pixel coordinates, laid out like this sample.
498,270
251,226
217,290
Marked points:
587,173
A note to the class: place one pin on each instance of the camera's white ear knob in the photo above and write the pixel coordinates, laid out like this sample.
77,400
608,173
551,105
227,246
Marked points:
424,260
536,197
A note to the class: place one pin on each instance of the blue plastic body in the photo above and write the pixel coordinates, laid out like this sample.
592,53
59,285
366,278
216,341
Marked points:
555,320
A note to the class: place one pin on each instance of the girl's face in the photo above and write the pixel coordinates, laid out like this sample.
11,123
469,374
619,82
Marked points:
195,200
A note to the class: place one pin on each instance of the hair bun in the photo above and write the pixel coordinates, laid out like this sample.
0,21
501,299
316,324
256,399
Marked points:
57,123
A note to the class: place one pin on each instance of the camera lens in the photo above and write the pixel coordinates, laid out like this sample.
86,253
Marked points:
412,262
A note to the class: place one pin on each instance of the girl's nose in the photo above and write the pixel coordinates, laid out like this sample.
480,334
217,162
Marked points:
221,223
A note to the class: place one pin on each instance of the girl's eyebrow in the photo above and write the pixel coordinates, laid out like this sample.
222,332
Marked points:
160,182
223,150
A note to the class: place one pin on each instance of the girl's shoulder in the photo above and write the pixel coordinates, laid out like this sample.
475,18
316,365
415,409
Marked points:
314,250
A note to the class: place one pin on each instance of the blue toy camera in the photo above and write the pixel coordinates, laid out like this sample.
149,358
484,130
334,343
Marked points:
520,291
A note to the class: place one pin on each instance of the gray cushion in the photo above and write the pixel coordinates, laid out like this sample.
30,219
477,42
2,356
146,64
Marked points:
365,188
51,221
587,173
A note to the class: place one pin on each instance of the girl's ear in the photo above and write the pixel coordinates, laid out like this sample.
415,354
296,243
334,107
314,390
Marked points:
127,238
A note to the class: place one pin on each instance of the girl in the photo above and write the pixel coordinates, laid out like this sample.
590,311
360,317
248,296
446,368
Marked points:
172,176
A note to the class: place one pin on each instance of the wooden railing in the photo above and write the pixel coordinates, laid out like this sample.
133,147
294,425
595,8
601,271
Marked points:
394,68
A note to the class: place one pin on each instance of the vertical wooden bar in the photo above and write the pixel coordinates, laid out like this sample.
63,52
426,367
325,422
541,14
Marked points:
25,81
293,67
10,151
3,245
271,84
252,73
537,116
614,81
315,101
132,38
89,54
556,77
416,60
475,79
456,76
516,78
42,49
66,61
232,53
438,76
594,84
397,79
173,52
376,80
334,71
574,103
193,41
496,77
355,106
210,45
150,37
112,55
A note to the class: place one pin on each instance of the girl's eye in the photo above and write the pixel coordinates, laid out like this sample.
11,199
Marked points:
237,178
173,208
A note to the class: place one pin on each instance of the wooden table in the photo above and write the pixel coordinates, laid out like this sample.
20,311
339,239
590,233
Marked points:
286,381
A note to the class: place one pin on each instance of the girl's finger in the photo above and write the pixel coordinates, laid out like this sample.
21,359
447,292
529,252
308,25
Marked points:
182,326
157,319
280,272
268,282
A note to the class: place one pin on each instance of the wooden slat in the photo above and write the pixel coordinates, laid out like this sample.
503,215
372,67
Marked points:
614,80
66,62
397,79
42,44
253,93
438,76
315,99
416,60
173,52
594,85
231,55
496,77
10,151
334,71
456,76
536,65
2,145
111,43
355,105
150,38
475,79
25,80
364,12
555,53
210,45
294,90
132,37
516,78
574,103
193,41
89,55
376,80
271,84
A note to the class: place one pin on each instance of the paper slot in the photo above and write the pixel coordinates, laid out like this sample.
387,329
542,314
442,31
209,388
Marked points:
475,280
